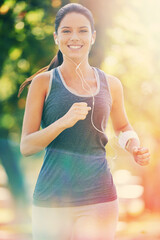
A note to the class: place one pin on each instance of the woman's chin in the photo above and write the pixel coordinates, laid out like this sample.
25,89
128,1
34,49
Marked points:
77,57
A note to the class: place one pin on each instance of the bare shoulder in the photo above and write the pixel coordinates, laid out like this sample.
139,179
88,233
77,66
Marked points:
115,85
41,79
40,82
114,82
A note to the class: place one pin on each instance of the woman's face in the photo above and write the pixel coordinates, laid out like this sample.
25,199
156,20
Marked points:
74,36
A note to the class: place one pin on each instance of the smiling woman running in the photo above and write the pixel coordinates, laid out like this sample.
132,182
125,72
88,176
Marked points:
74,196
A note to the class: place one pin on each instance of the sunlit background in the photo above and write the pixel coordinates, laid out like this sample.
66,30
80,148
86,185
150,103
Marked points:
127,46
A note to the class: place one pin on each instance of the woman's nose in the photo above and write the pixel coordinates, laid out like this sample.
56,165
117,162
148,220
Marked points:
74,36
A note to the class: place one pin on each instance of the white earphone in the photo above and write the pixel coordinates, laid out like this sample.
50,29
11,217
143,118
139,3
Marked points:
92,42
56,41
93,100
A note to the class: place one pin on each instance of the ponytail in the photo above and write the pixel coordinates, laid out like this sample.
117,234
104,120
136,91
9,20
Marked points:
56,61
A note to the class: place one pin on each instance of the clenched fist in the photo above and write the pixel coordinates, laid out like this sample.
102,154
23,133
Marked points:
141,155
78,111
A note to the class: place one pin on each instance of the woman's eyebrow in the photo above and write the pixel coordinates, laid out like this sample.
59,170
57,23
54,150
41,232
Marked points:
71,27
65,27
83,27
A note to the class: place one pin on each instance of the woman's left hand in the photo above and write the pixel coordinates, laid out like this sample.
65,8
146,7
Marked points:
141,155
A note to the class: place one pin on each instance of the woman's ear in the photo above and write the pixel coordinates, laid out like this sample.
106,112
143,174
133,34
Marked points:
55,38
93,37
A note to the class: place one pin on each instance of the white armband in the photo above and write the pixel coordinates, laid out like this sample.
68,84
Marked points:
125,136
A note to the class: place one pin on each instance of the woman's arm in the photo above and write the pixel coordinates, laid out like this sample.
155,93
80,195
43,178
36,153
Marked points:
120,121
34,140
118,114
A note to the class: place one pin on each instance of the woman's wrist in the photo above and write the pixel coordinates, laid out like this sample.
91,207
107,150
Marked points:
62,123
131,145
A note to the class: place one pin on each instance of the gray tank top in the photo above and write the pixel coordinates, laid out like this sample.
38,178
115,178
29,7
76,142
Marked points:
75,170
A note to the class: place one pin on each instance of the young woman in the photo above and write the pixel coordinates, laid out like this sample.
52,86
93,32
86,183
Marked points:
75,197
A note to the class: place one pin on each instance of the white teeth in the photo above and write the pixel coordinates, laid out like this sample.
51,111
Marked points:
75,47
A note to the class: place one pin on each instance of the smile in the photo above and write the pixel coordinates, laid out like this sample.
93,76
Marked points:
75,46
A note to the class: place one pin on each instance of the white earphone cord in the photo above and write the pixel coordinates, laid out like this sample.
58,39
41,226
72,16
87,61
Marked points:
93,101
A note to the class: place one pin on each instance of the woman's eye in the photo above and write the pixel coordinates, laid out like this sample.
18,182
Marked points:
66,31
83,31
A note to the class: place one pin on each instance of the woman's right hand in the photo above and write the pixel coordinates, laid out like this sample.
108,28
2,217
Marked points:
78,111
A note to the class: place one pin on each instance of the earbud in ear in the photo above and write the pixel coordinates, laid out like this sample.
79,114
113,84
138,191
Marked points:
56,41
92,42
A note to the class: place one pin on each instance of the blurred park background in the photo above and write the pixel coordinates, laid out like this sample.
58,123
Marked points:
127,46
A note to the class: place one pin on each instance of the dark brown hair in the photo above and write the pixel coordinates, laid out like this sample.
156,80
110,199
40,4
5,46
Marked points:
58,59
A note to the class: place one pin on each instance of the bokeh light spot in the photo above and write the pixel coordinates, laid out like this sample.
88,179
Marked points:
19,26
15,53
24,65
135,207
130,191
4,9
21,103
33,17
56,3
7,121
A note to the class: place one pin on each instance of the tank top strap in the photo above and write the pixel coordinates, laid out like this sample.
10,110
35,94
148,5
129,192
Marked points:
104,84
54,80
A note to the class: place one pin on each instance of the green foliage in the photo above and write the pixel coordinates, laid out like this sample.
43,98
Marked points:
26,45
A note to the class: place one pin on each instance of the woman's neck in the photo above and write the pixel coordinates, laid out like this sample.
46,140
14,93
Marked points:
72,77
70,65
